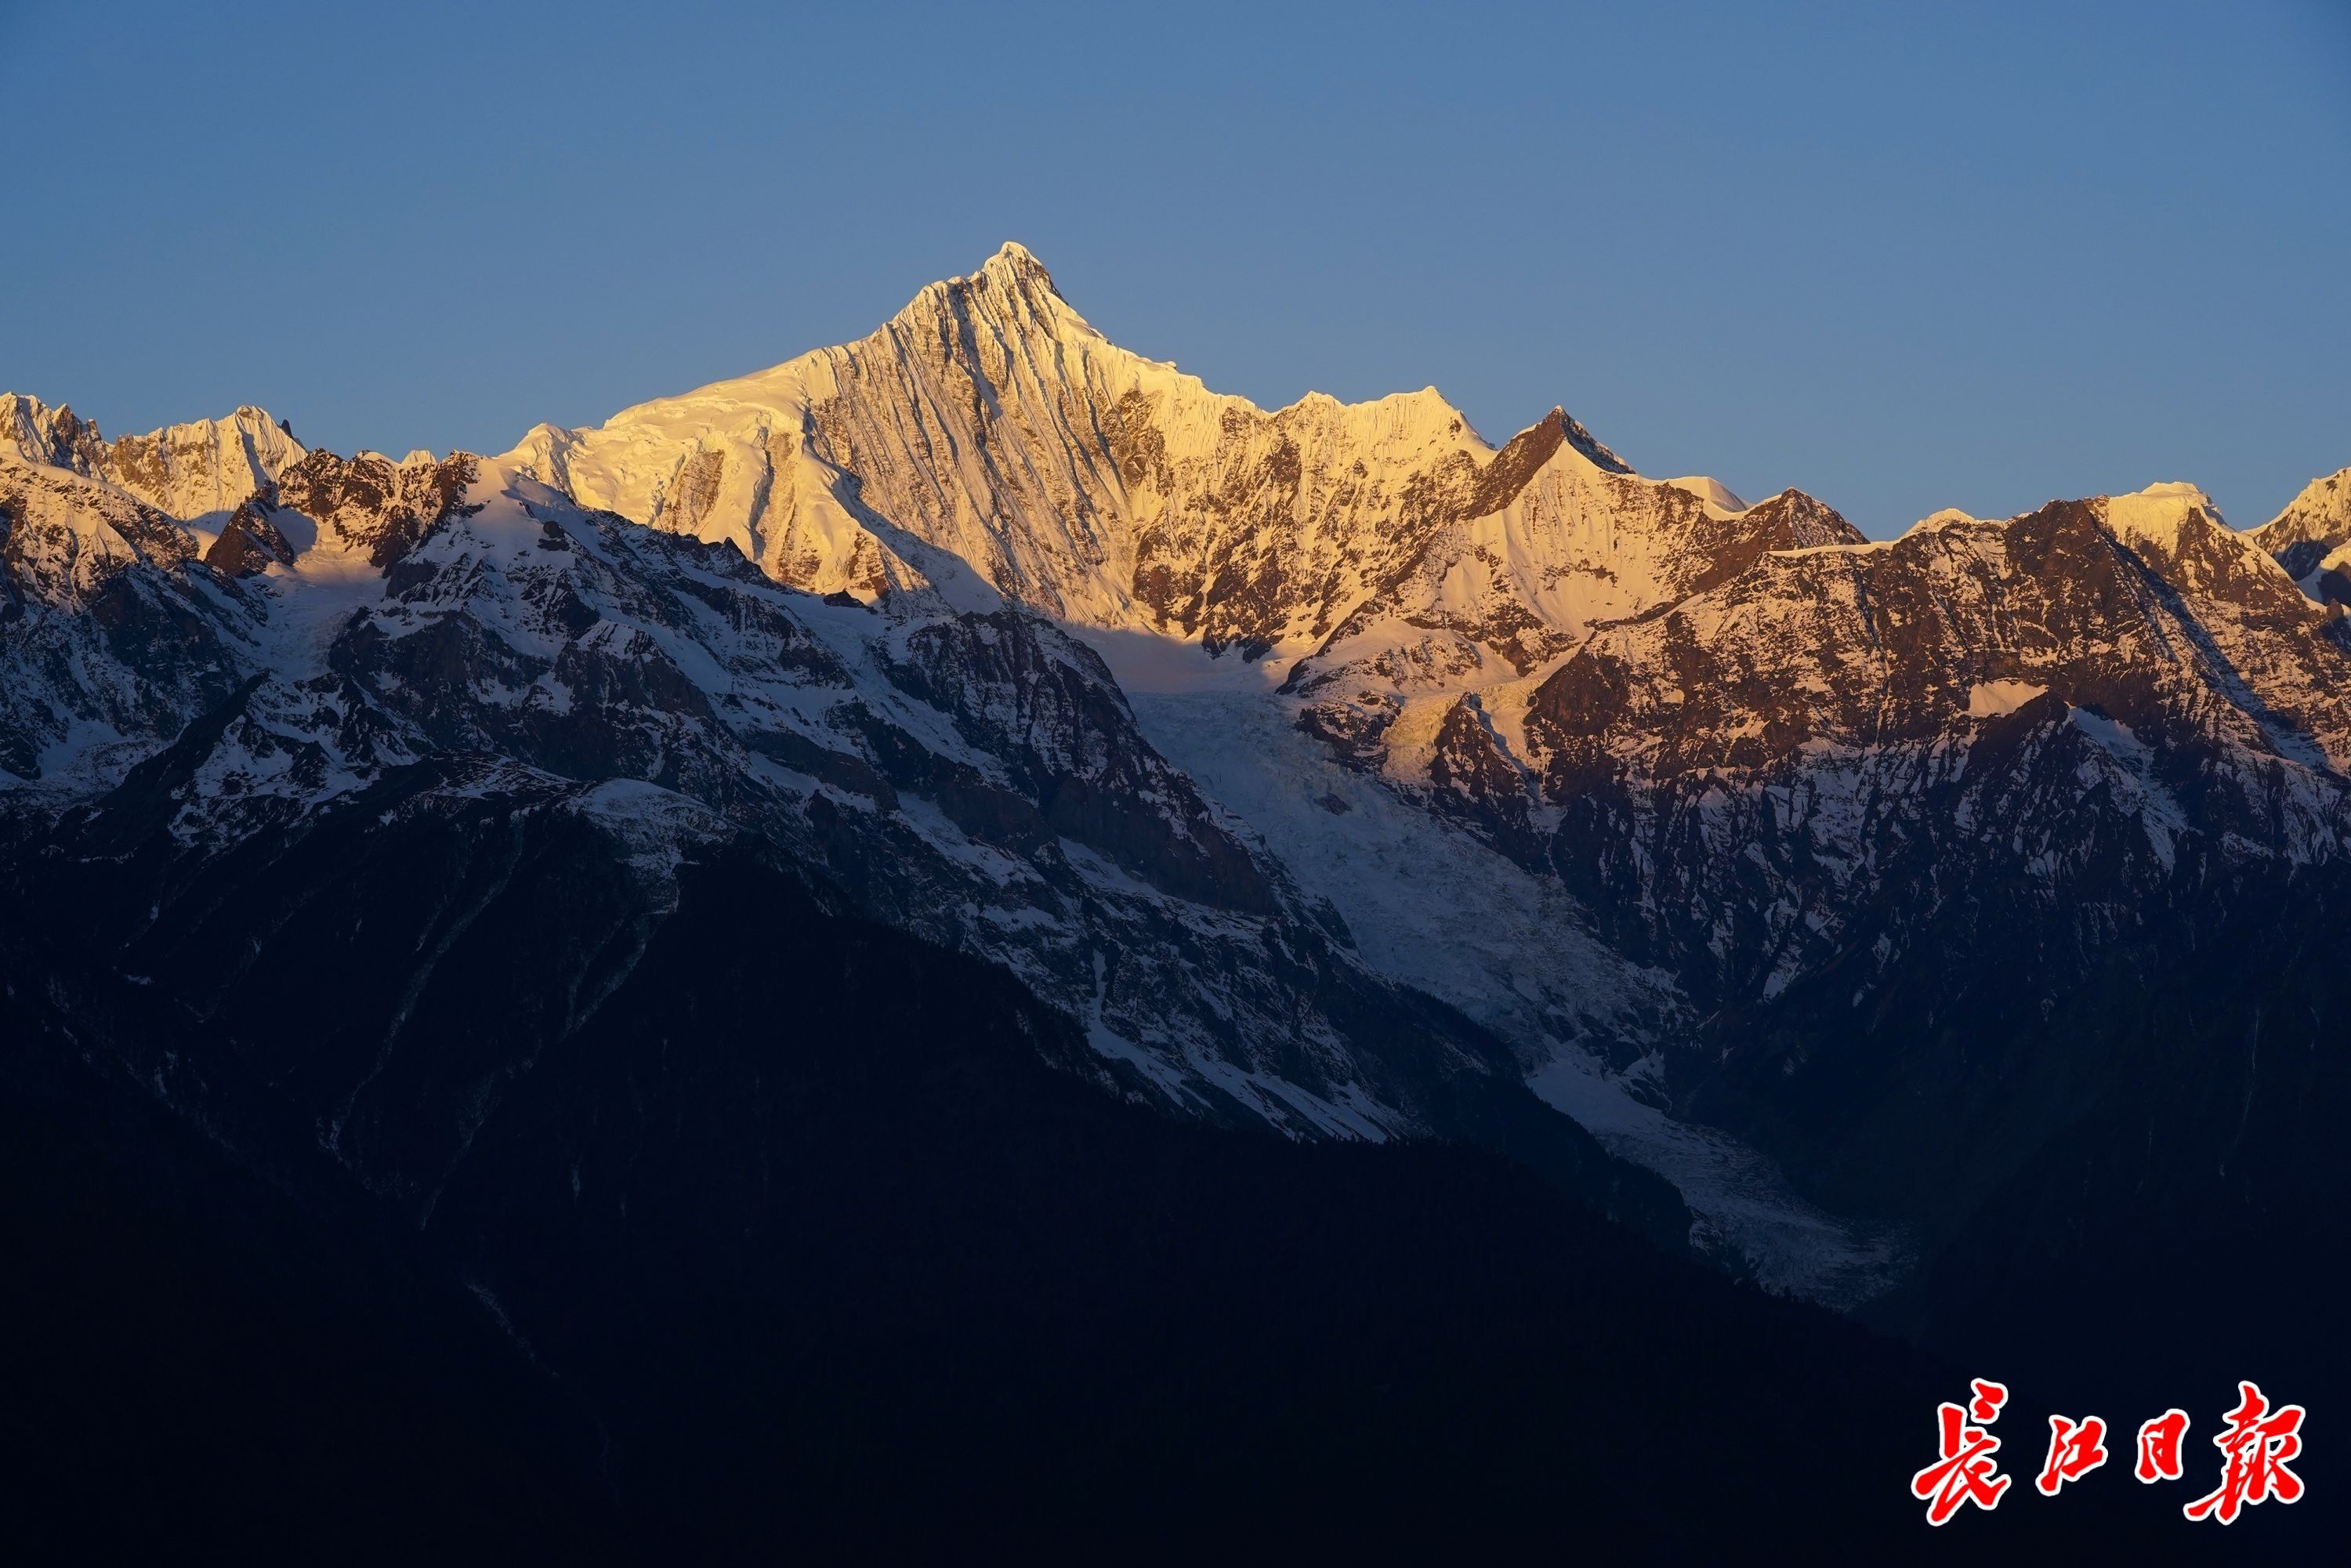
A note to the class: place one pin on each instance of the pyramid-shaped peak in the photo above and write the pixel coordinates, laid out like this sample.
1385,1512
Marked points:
1012,275
1016,263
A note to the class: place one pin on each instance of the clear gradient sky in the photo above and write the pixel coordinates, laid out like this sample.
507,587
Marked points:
1903,256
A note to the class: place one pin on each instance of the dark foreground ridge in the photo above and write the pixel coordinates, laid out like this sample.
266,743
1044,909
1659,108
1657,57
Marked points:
726,1276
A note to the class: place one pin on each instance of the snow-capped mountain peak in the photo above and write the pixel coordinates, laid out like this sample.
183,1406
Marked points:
2161,514
1710,747
39,433
987,444
2310,536
197,472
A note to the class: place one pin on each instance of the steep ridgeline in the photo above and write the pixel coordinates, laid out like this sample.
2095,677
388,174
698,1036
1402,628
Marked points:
414,638
988,443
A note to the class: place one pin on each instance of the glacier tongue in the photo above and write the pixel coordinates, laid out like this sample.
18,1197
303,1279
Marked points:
1430,906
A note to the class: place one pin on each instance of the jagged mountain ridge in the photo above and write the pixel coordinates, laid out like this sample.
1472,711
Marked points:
987,427
1980,876
1439,612
197,472
987,441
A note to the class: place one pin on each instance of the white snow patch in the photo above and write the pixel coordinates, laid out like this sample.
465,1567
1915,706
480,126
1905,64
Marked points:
2116,737
1713,492
1988,699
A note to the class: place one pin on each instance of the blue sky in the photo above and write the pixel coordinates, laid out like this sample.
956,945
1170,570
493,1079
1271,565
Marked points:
1901,256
